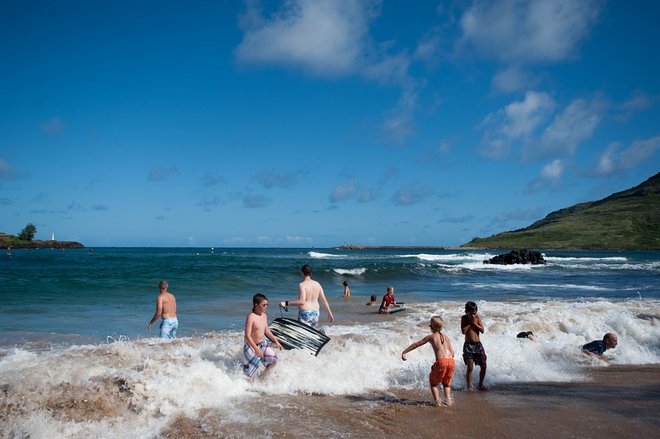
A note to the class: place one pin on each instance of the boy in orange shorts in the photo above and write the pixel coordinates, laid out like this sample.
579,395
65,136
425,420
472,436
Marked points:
443,368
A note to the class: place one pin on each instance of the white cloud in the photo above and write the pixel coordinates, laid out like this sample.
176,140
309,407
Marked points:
326,37
515,122
411,194
343,191
331,39
613,160
528,31
549,177
569,128
512,79
553,170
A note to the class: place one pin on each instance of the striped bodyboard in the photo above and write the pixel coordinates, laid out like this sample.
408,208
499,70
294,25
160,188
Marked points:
295,335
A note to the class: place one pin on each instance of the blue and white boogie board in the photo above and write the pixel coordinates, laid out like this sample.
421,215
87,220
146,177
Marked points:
295,335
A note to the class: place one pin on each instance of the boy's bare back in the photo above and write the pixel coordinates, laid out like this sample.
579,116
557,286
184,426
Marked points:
441,345
167,303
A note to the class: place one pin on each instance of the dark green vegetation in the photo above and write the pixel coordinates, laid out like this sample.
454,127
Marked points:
628,220
25,239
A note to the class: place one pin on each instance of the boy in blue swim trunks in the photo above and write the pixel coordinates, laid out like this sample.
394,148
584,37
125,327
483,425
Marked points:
255,349
309,294
473,350
165,308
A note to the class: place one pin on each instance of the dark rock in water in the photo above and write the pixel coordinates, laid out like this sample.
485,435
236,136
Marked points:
517,257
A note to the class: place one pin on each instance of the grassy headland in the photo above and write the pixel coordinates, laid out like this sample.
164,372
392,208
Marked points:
627,220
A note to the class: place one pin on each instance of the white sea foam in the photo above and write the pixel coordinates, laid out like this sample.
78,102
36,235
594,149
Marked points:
584,259
317,255
522,286
350,271
148,383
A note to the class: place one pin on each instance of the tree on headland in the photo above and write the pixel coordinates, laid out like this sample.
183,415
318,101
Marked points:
28,232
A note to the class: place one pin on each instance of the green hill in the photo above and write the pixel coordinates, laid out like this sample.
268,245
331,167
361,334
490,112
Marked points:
627,220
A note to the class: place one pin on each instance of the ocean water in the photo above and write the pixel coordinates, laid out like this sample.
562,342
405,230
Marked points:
76,359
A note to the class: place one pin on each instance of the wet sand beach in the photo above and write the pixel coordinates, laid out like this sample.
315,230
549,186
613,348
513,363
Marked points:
618,402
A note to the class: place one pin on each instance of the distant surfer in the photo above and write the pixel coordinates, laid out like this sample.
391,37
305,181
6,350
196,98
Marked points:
165,309
255,349
347,290
388,301
309,294
597,348
473,350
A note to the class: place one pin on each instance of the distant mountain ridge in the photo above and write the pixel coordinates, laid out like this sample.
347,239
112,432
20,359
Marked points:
626,220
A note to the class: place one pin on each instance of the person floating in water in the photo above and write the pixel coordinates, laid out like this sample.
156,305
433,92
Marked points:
372,300
165,308
597,348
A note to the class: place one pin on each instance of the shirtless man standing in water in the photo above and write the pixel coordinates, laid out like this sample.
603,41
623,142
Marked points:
165,308
309,293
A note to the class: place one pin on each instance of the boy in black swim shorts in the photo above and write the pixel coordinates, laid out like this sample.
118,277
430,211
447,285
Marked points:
473,350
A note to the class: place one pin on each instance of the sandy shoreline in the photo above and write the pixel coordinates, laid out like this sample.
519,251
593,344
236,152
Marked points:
619,401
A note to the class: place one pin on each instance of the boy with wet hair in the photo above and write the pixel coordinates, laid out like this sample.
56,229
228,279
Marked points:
473,350
442,370
255,348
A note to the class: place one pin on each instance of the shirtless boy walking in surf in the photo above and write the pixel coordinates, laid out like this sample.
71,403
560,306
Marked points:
473,350
256,349
444,366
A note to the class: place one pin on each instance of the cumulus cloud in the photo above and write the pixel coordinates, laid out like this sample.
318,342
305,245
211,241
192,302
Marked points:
272,179
616,160
515,122
399,125
411,194
512,79
161,174
343,191
527,31
550,176
326,37
568,129
331,39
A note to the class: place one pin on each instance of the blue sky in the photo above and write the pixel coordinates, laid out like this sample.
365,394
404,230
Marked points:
307,123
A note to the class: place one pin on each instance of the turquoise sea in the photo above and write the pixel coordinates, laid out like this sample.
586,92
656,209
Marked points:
74,322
